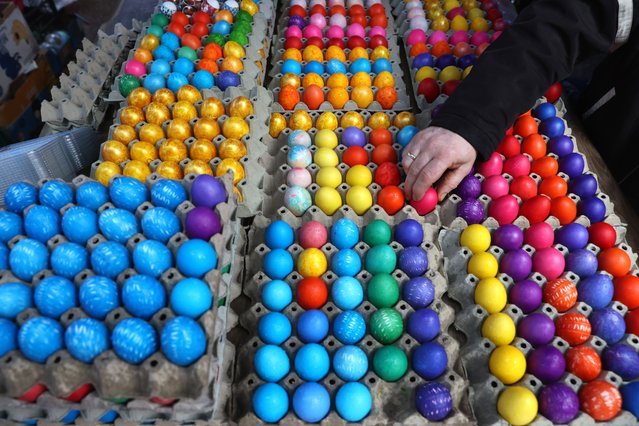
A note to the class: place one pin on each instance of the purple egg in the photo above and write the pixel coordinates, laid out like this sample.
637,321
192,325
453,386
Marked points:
623,360
202,223
433,401
423,60
607,324
446,61
538,329
547,363
561,145
207,191
469,187
582,262
593,208
572,164
466,61
526,295
472,211
435,111
423,325
353,136
517,264
552,127
583,185
296,20
573,236
596,290
413,261
508,237
558,403
409,233
418,292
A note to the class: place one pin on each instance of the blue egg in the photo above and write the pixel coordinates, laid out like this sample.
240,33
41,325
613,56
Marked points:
572,164
9,333
561,145
276,295
429,360
4,257
466,61
312,362
344,234
585,186
622,359
312,326
423,325
593,208
160,66
446,61
170,40
127,193
109,416
228,79
10,226
335,66
183,66
279,235
360,65
70,417
41,223
349,327
153,82
86,338
118,225
168,193
270,402
291,65
39,338
191,297
607,324
160,224
110,259
98,296
183,341
544,111
314,66
55,194
382,64
134,340
311,402
582,262
79,224
91,195
405,135
19,196
552,127
14,298
630,395
573,236
222,27
271,363
346,263
353,402
423,60
203,79
433,401
278,264
152,258
68,259
596,290
175,80
195,258
54,295
419,292
164,52
274,328
350,363
347,293
27,258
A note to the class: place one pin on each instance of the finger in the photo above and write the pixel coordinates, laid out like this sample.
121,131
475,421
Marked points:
414,147
451,180
413,171
427,176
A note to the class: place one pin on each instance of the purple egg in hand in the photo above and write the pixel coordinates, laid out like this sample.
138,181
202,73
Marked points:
517,264
582,262
547,363
538,329
526,295
469,187
508,237
558,403
413,261
202,223
472,211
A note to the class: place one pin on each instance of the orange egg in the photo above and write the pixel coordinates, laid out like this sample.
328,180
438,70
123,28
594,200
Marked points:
553,187
545,167
441,48
209,65
384,79
143,55
462,49
564,209
534,145
212,51
335,52
292,54
418,48
231,63
338,96
615,261
288,97
361,79
524,126
363,96
224,15
313,96
386,97
312,78
337,80
312,53
357,53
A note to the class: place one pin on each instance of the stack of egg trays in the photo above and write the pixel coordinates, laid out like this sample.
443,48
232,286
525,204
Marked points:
77,101
201,389
476,352
390,400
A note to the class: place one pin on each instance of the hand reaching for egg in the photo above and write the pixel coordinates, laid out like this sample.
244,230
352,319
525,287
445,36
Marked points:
436,154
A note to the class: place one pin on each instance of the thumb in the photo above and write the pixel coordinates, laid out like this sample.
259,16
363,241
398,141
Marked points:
451,179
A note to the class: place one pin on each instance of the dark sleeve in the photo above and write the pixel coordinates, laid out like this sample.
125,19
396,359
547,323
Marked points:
541,47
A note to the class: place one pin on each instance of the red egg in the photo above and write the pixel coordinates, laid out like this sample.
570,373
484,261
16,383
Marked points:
553,93
313,96
176,29
315,41
480,49
337,9
391,199
462,49
180,18
293,43
573,327
534,145
600,400
427,204
495,186
311,293
387,174
376,9
359,19
525,125
553,187
524,187
539,236
356,41
564,209
379,20
356,9
560,293
380,136
429,89
632,322
199,29
297,10
536,209
509,146
384,153
583,362
191,40
504,209
202,17
493,14
355,155
450,86
602,234
499,25
615,261
377,40
517,165
627,291
545,166
336,42
492,166
318,9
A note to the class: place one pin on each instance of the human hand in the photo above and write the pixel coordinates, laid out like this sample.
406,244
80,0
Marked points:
437,155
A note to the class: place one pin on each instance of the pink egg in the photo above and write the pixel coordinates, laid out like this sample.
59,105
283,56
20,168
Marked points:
312,235
415,12
299,176
419,22
427,204
455,11
294,31
335,32
416,36
320,2
458,37
318,20
355,30
376,31
517,165
436,37
312,31
495,36
495,186
492,166
332,3
539,235
479,38
134,67
504,209
337,20
549,262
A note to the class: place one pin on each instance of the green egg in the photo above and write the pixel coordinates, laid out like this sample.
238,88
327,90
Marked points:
381,259
127,83
243,27
382,291
377,233
156,30
160,20
386,326
390,363
215,38
239,38
187,52
243,15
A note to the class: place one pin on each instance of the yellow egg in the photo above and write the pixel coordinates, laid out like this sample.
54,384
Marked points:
425,72
312,53
173,150
202,149
467,71
337,80
137,170
312,263
198,167
440,23
229,164
139,97
276,124
157,113
301,120
105,171
435,13
479,24
150,42
359,175
144,152
292,53
335,52
474,13
326,157
189,93
164,96
232,48
240,107
476,237
499,328
326,139
451,4
179,129
451,72
326,120
379,120
233,64
115,152
232,148
207,128
469,4
483,265
212,108
384,79
403,119
131,116
491,295
360,199
459,23
184,110
124,133
151,133
329,176
235,128
361,79
249,6
507,363
380,52
312,78
363,96
352,119
169,170
328,200
517,405
357,53
290,79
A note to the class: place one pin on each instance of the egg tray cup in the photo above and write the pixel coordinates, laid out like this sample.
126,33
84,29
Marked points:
393,47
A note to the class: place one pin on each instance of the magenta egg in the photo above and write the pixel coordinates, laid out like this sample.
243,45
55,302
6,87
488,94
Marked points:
495,36
540,236
504,209
294,31
479,38
332,3
355,30
456,11
312,31
376,31
416,36
312,235
337,20
549,262
492,166
495,186
134,67
335,32
517,165
427,204
517,264
318,20
458,37
436,37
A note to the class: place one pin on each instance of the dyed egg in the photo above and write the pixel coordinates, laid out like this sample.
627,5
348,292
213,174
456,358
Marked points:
433,401
312,326
278,263
429,200
134,340
299,156
143,296
195,258
413,261
596,290
582,262
347,293
526,295
311,402
42,222
191,297
39,338
558,403
359,199
299,177
429,360
585,186
469,187
297,200
271,363
615,261
350,363
561,294
312,362
593,208
382,291
495,186
353,401
584,362
274,328
390,363
517,264
537,329
471,210
312,234
86,338
508,364
539,235
627,291
311,263
549,262
311,293
10,331
490,293
607,324
423,325
483,265
508,237
499,328
623,360
600,400
27,258
349,327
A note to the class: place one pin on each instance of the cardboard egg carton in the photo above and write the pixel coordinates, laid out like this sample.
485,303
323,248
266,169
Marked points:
393,47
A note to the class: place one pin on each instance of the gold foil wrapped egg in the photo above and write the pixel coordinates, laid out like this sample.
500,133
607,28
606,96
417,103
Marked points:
137,170
105,171
352,119
131,116
150,42
173,150
144,152
188,93
301,120
198,167
202,149
380,52
179,129
249,7
232,148
151,133
290,79
403,119
379,120
169,170
206,128
164,96
124,133
241,107
185,110
231,63
276,124
139,97
235,128
157,113
232,48
115,152
327,120
229,164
